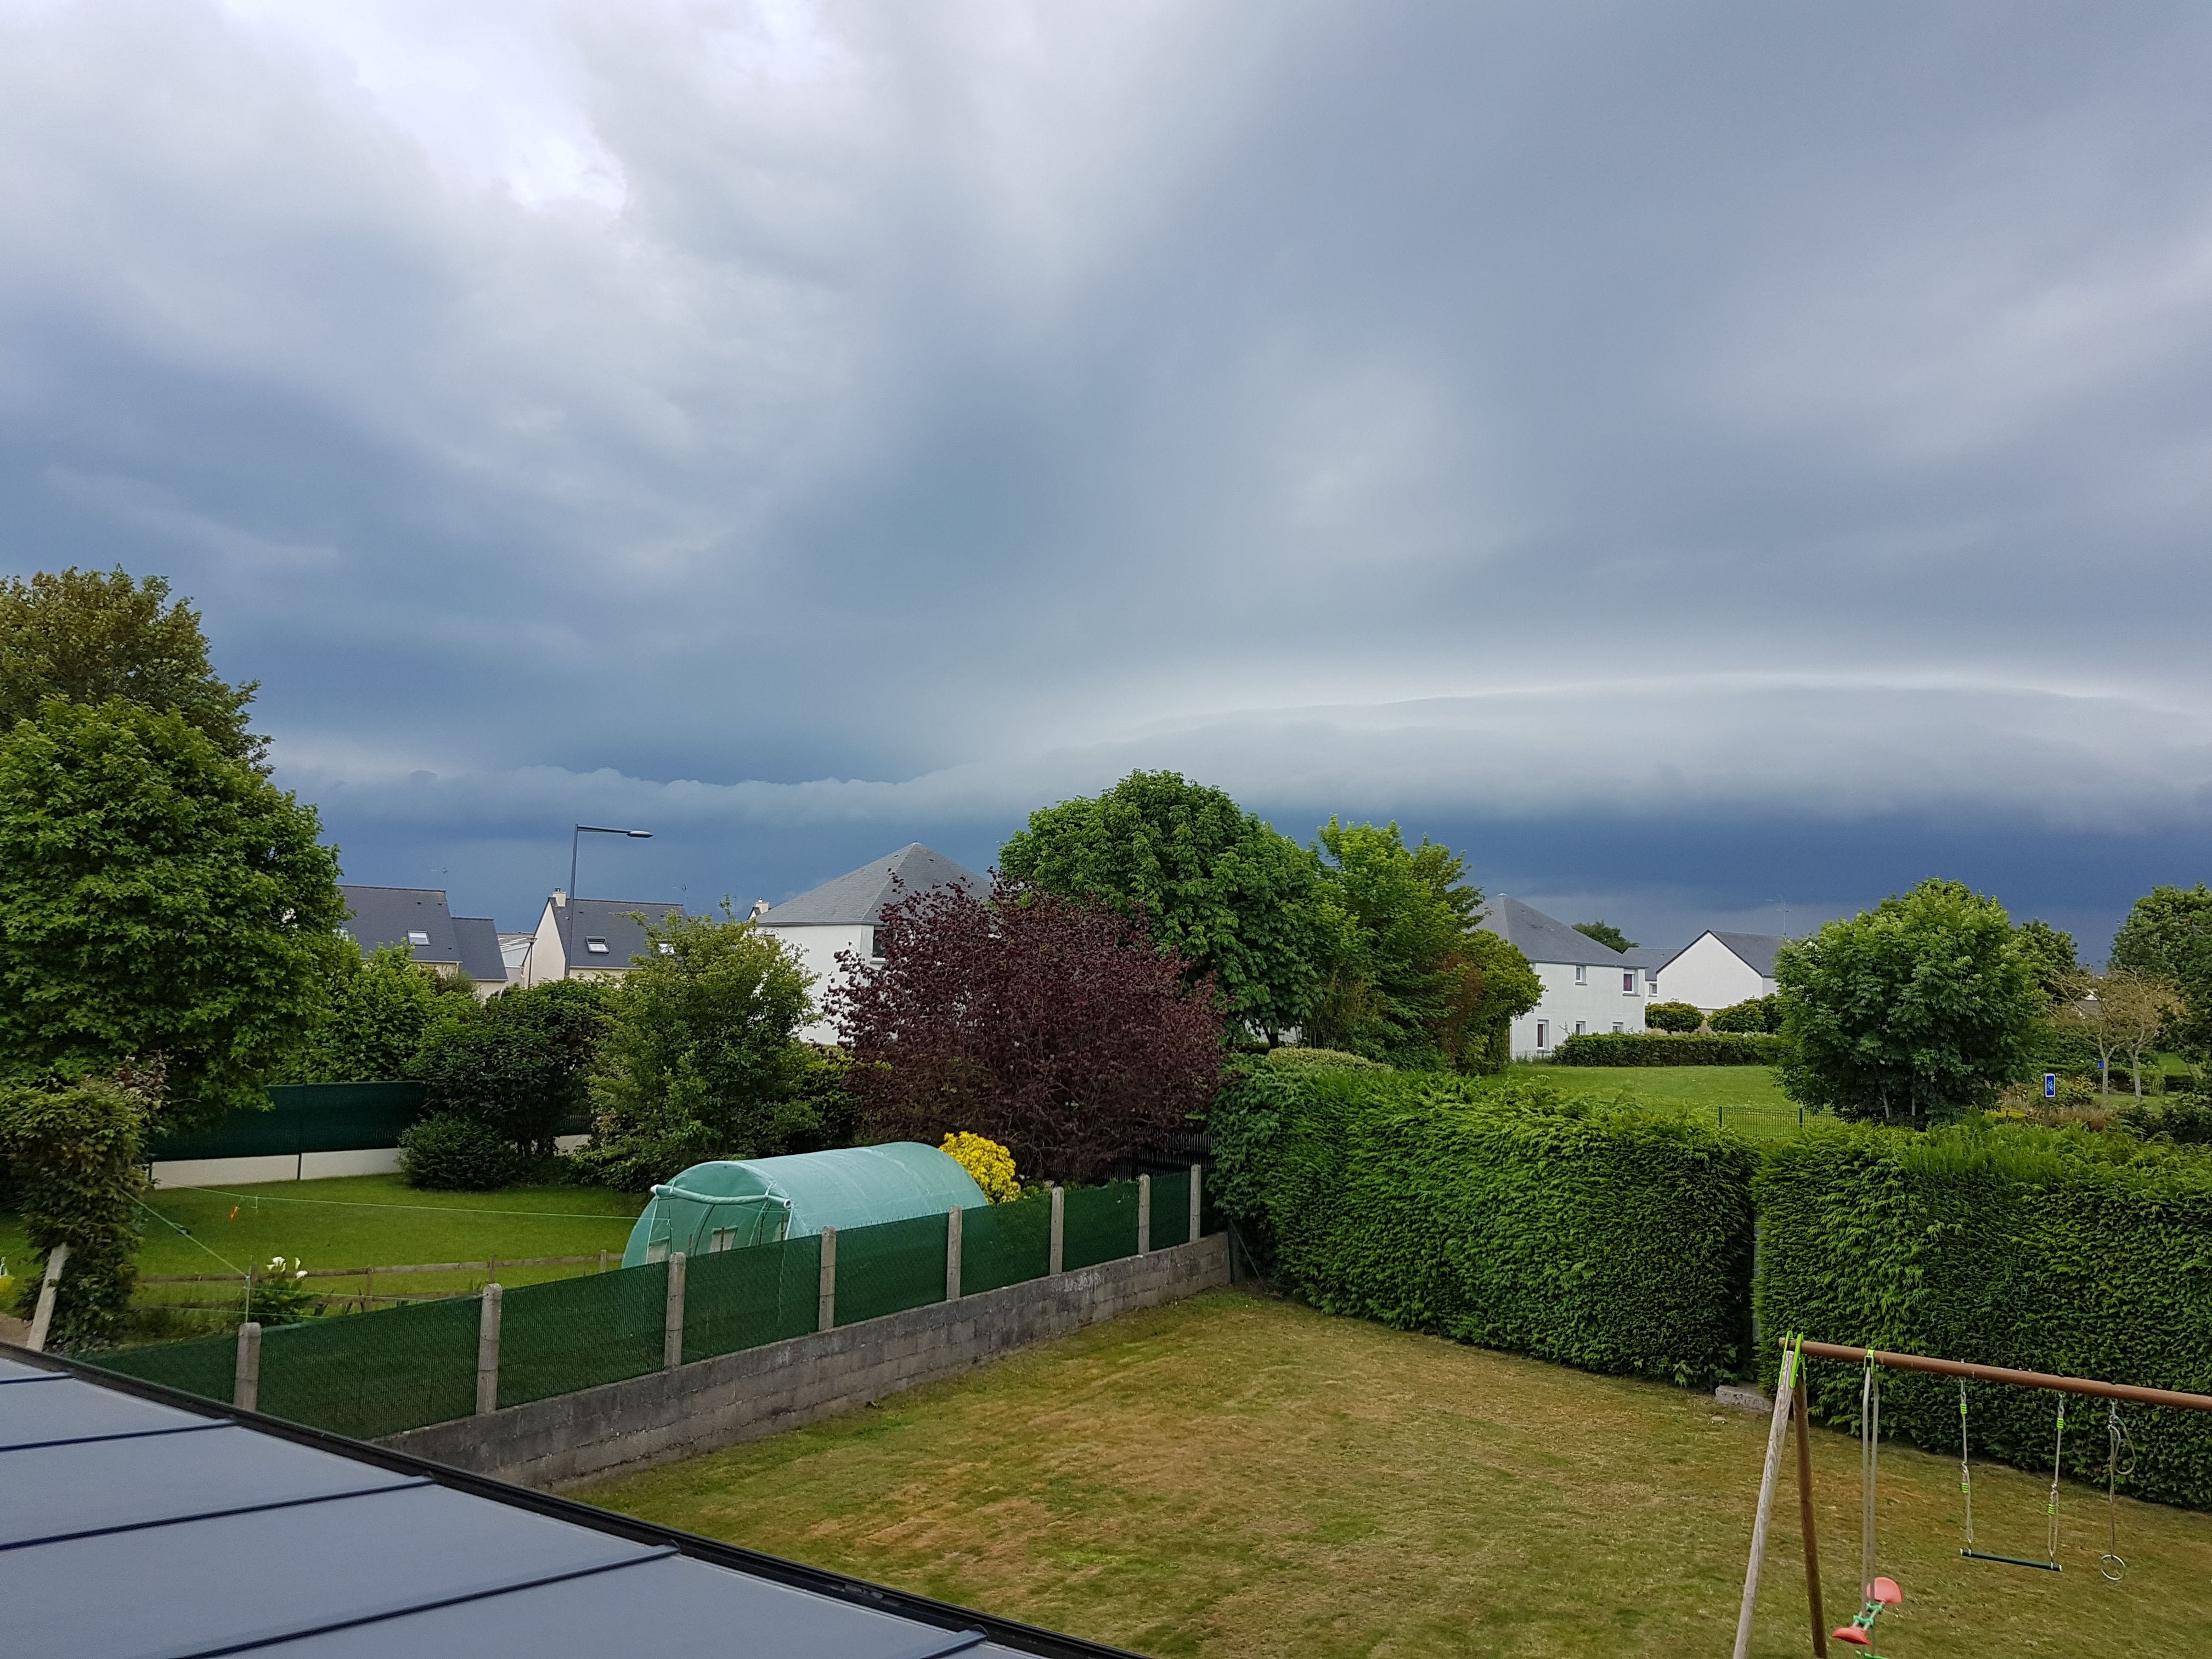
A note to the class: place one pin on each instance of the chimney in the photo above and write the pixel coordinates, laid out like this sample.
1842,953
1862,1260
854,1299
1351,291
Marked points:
560,899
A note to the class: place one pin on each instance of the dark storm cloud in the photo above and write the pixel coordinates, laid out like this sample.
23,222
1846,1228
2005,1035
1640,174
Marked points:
807,428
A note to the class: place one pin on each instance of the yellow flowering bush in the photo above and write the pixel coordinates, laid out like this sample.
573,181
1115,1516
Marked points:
991,1165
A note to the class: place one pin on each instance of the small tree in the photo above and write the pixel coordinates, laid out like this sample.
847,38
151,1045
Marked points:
71,1150
699,1062
381,1011
1917,1011
1495,984
1606,934
1674,1017
520,1065
1757,1015
2051,958
2168,935
163,908
2121,1013
1053,1027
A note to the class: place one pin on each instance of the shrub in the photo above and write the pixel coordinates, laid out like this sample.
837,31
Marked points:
71,1152
990,1163
1661,1048
281,1296
1596,1235
520,1065
1674,1017
2039,1250
1294,1059
2178,1121
1757,1016
457,1154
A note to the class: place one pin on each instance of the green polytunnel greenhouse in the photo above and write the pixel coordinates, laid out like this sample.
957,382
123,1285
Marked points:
732,1203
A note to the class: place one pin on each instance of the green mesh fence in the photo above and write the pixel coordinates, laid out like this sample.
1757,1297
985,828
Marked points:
579,1333
205,1365
736,1299
1003,1244
1100,1225
890,1268
1170,1210
373,1374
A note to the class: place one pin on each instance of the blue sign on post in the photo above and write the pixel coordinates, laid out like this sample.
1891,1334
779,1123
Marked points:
2050,1085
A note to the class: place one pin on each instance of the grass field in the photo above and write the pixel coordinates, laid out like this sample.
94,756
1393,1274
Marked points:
1236,1475
1746,1098
365,1221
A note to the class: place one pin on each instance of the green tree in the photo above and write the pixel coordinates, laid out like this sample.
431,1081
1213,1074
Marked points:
378,1011
698,1060
1496,985
2168,935
1915,1012
70,1151
2050,956
164,910
522,1063
1217,887
89,636
1606,934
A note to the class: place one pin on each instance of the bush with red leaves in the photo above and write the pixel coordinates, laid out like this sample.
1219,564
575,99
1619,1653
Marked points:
1052,1026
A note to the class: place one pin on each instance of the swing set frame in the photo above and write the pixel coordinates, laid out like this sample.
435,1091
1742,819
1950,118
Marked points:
1789,1406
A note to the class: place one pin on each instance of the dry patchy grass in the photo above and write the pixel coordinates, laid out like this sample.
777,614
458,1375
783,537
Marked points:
1235,1476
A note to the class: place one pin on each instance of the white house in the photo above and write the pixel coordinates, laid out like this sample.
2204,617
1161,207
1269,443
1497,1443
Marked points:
1718,970
1587,987
591,938
841,915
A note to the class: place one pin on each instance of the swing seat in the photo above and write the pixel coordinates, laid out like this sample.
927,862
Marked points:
1886,1592
1853,1634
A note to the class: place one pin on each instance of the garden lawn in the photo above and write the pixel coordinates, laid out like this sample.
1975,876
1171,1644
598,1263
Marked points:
1236,1475
1746,1098
365,1221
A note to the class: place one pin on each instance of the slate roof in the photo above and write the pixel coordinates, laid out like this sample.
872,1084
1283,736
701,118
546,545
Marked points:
377,916
616,922
857,898
1545,939
137,1523
1756,951
481,958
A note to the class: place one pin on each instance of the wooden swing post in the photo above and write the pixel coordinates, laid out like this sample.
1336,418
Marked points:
1805,1523
1784,1389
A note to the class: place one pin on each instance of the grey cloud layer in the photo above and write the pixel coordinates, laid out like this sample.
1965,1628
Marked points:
1600,409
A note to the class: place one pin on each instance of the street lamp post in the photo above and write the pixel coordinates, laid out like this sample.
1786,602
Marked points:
569,932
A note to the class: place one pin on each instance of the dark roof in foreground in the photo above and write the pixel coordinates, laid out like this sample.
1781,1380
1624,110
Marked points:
478,937
615,923
377,916
1545,939
137,1522
857,898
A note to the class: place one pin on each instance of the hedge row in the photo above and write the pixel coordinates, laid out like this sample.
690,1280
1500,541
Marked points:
1664,1048
2081,1253
1596,1236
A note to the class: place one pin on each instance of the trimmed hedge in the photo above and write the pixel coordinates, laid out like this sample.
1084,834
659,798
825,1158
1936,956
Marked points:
2043,1250
1674,1017
1660,1048
1596,1234
1294,1059
1759,1014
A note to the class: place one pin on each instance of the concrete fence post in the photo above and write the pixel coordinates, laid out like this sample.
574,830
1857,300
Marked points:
1059,1228
1144,1215
246,1378
826,1313
488,1351
1194,1174
43,1318
952,1254
671,1326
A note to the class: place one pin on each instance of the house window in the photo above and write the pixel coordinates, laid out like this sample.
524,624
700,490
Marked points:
597,947
1616,1025
414,938
1582,973
1543,1034
1578,1028
1628,982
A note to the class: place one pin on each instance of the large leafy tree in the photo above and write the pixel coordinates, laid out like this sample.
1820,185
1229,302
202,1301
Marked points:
521,1064
1214,885
1913,1012
2050,954
699,1062
89,636
380,1010
2168,935
1051,1025
1394,984
164,909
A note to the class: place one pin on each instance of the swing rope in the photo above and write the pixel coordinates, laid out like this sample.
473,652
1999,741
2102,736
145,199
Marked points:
1869,1450
2050,1504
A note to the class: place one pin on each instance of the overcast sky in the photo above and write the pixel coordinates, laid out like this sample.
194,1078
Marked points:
1714,465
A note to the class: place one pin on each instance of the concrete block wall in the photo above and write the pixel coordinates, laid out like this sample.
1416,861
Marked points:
762,1391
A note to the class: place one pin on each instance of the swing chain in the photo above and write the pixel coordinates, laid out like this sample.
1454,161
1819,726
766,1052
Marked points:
2113,1564
2050,1504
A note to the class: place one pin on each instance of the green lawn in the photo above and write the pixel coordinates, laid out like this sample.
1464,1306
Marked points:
1746,1098
1234,1476
366,1221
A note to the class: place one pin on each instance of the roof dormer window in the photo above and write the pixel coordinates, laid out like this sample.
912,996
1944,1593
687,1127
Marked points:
597,947
416,937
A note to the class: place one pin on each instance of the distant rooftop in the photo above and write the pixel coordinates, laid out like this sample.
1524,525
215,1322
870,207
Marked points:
414,916
1546,938
857,898
608,932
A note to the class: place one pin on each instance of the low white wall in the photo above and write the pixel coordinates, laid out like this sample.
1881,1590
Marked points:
279,1166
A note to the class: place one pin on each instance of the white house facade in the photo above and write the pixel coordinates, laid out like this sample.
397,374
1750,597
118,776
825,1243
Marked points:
841,915
1587,987
1718,970
591,938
